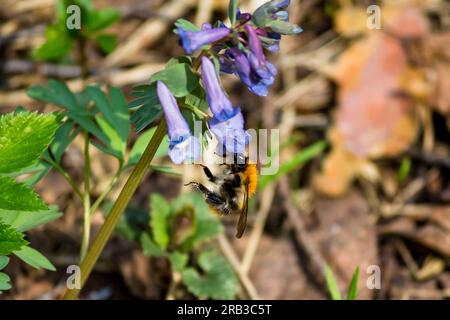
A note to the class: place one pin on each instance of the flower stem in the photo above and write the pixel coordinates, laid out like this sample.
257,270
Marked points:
86,199
105,192
116,211
66,176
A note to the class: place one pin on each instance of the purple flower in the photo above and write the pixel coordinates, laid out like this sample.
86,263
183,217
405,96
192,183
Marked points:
243,17
245,72
269,40
262,67
183,146
252,66
194,40
227,122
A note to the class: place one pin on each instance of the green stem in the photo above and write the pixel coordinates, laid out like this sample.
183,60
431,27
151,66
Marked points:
66,176
105,192
86,199
116,211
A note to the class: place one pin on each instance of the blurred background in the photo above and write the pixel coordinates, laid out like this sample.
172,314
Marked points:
364,119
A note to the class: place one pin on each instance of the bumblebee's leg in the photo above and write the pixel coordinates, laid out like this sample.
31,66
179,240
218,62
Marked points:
208,173
211,198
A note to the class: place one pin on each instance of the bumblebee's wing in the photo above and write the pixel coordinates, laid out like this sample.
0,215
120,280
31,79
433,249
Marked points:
242,223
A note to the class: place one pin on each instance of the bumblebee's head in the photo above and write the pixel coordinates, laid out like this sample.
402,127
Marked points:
240,162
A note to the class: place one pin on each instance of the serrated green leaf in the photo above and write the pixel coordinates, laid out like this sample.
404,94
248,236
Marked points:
142,142
26,220
218,280
332,285
232,11
179,78
178,260
55,92
23,138
17,196
150,248
159,213
353,288
10,239
4,282
187,25
34,258
4,260
107,42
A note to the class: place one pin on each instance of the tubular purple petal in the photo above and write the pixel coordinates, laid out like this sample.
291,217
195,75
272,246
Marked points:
231,134
219,103
183,147
254,43
194,40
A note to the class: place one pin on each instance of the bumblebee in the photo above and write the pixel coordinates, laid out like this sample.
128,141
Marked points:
231,189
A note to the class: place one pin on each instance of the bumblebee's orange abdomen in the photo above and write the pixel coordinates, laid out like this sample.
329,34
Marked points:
251,174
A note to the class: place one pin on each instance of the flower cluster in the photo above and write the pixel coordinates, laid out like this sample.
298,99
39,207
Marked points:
239,50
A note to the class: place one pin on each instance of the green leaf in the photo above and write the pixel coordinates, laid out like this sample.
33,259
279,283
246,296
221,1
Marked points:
142,142
34,258
147,103
145,116
218,280
107,42
3,262
353,288
114,109
187,25
299,159
10,239
404,170
206,226
116,146
333,288
159,213
150,248
26,220
101,19
232,11
178,260
63,138
17,196
55,92
35,172
115,112
146,96
131,223
4,282
179,78
23,137
56,46
87,122
164,169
